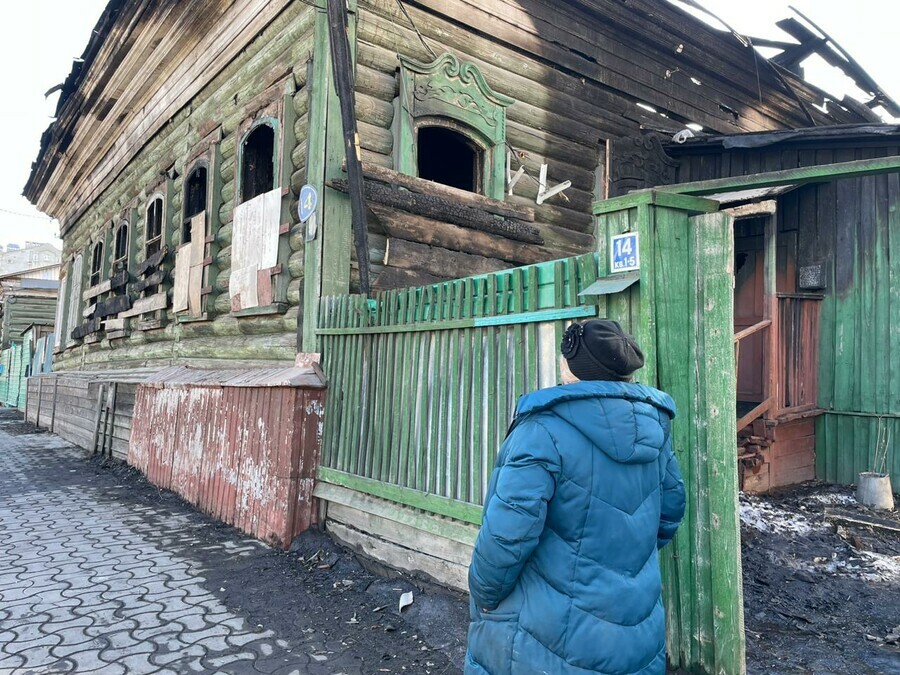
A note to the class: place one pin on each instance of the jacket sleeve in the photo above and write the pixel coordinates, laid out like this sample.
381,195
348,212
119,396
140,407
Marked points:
513,518
673,497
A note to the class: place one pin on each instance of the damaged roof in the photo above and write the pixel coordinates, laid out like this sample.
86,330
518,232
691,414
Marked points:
115,33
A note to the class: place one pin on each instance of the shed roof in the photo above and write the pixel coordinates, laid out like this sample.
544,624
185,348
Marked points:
306,377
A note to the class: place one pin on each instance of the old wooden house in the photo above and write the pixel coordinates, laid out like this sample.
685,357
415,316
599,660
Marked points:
490,136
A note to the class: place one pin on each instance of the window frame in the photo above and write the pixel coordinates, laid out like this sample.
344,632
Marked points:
96,268
125,257
449,92
155,197
272,122
201,163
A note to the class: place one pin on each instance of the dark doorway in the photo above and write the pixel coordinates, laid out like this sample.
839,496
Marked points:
448,157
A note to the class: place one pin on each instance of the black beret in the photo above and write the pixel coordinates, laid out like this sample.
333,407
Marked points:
600,350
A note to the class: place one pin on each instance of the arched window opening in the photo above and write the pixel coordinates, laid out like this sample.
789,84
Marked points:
120,257
96,263
194,199
258,162
450,158
154,226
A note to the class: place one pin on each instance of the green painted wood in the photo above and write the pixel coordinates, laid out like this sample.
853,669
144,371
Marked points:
469,513
484,120
463,533
668,198
799,176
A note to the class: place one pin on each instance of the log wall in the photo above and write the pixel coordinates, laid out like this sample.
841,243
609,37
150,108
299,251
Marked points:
274,61
577,75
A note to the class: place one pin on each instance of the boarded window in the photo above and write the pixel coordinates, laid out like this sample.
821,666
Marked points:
96,264
448,157
120,258
194,199
154,226
258,162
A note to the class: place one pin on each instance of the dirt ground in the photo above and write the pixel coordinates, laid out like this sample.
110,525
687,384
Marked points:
821,595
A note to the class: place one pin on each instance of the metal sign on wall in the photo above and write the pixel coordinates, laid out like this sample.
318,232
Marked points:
623,253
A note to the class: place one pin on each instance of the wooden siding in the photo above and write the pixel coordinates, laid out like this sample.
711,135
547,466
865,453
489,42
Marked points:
22,309
228,97
850,226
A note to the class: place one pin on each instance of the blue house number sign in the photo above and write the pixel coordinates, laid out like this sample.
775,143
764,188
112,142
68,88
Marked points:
309,198
623,253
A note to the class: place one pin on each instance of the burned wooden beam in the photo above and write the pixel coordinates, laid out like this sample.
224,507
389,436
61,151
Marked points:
153,261
428,187
446,210
342,64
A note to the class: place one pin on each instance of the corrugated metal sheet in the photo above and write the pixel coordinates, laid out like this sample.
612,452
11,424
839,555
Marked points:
241,445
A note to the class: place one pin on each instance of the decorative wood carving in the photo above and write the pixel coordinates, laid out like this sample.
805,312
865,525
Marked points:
639,162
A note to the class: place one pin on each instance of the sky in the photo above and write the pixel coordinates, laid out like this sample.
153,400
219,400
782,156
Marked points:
39,40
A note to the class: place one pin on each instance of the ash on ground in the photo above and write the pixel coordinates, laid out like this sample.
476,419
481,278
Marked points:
821,587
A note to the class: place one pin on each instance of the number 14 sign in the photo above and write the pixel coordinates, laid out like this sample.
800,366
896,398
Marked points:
623,253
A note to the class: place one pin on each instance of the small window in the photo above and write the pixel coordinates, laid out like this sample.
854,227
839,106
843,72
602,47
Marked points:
120,259
154,226
96,263
258,162
194,199
448,157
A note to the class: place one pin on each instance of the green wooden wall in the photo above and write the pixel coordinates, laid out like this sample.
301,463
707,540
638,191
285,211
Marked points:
852,228
284,48
859,374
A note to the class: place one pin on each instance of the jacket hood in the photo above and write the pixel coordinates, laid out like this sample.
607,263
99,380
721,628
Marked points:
605,412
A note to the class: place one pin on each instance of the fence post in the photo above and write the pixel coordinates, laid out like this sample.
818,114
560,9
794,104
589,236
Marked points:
682,313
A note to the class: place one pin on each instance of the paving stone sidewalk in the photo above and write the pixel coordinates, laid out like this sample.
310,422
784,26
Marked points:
102,573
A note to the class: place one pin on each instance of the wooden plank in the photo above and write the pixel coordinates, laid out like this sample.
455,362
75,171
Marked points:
438,261
433,232
400,533
797,176
144,305
442,571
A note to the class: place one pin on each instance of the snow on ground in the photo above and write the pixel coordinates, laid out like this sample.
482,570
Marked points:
760,513
764,516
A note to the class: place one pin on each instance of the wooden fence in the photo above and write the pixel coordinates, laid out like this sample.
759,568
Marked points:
424,381
14,360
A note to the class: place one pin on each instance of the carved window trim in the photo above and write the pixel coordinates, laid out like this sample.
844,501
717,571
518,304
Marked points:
453,93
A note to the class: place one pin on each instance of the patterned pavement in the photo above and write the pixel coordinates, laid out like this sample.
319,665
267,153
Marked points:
96,579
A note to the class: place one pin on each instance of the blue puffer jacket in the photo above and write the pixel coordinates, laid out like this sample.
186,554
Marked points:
586,489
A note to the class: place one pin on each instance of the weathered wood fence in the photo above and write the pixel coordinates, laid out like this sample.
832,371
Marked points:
424,381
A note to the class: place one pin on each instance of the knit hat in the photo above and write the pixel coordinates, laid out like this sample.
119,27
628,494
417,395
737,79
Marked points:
600,350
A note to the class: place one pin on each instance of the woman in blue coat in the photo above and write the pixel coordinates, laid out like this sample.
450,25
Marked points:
565,574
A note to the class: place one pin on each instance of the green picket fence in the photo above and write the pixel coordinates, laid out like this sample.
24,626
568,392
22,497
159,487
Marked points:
423,381
12,380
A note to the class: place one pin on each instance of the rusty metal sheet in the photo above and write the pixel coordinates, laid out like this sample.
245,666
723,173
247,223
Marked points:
244,453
